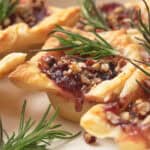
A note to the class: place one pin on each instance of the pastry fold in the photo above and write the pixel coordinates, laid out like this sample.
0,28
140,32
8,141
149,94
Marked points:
29,75
21,37
10,62
134,130
95,123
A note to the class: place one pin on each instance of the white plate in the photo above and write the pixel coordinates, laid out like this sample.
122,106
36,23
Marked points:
10,107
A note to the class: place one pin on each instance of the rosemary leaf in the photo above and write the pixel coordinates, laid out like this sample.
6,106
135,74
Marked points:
7,7
82,46
92,15
31,137
144,28
138,67
147,90
1,134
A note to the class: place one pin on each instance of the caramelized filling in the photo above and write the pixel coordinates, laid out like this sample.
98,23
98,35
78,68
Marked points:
116,15
78,75
134,119
30,14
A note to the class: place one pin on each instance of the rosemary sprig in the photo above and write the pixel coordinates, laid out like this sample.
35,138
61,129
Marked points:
144,28
95,49
92,15
138,67
146,89
7,7
84,47
31,136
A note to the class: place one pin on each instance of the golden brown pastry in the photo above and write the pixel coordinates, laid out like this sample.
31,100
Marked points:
29,25
127,122
10,62
75,85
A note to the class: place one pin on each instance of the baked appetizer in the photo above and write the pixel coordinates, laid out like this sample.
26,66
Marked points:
125,121
80,69
26,23
109,16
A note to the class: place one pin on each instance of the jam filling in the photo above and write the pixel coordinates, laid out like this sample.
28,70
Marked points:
30,14
116,15
134,119
78,75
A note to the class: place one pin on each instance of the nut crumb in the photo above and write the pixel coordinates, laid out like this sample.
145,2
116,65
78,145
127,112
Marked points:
89,139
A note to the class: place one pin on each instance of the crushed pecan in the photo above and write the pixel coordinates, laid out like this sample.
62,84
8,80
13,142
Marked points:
71,74
116,15
29,14
134,119
89,139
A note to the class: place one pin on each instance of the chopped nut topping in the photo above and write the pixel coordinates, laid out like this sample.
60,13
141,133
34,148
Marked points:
68,71
125,116
113,118
89,139
146,121
142,107
75,67
96,66
84,79
30,13
88,28
116,15
105,67
119,9
7,22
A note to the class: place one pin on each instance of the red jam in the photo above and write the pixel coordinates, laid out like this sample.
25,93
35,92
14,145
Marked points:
78,75
134,119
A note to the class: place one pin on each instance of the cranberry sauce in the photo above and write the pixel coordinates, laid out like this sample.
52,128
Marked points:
70,73
132,116
134,119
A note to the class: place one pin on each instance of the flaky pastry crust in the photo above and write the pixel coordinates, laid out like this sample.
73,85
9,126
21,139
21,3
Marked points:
10,62
29,76
21,37
95,123
126,135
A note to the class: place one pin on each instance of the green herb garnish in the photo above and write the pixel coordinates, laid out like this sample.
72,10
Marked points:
84,47
92,15
31,136
7,7
146,89
138,67
144,28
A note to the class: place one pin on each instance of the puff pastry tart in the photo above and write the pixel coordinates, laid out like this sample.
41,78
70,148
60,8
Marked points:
128,123
109,16
75,84
30,21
